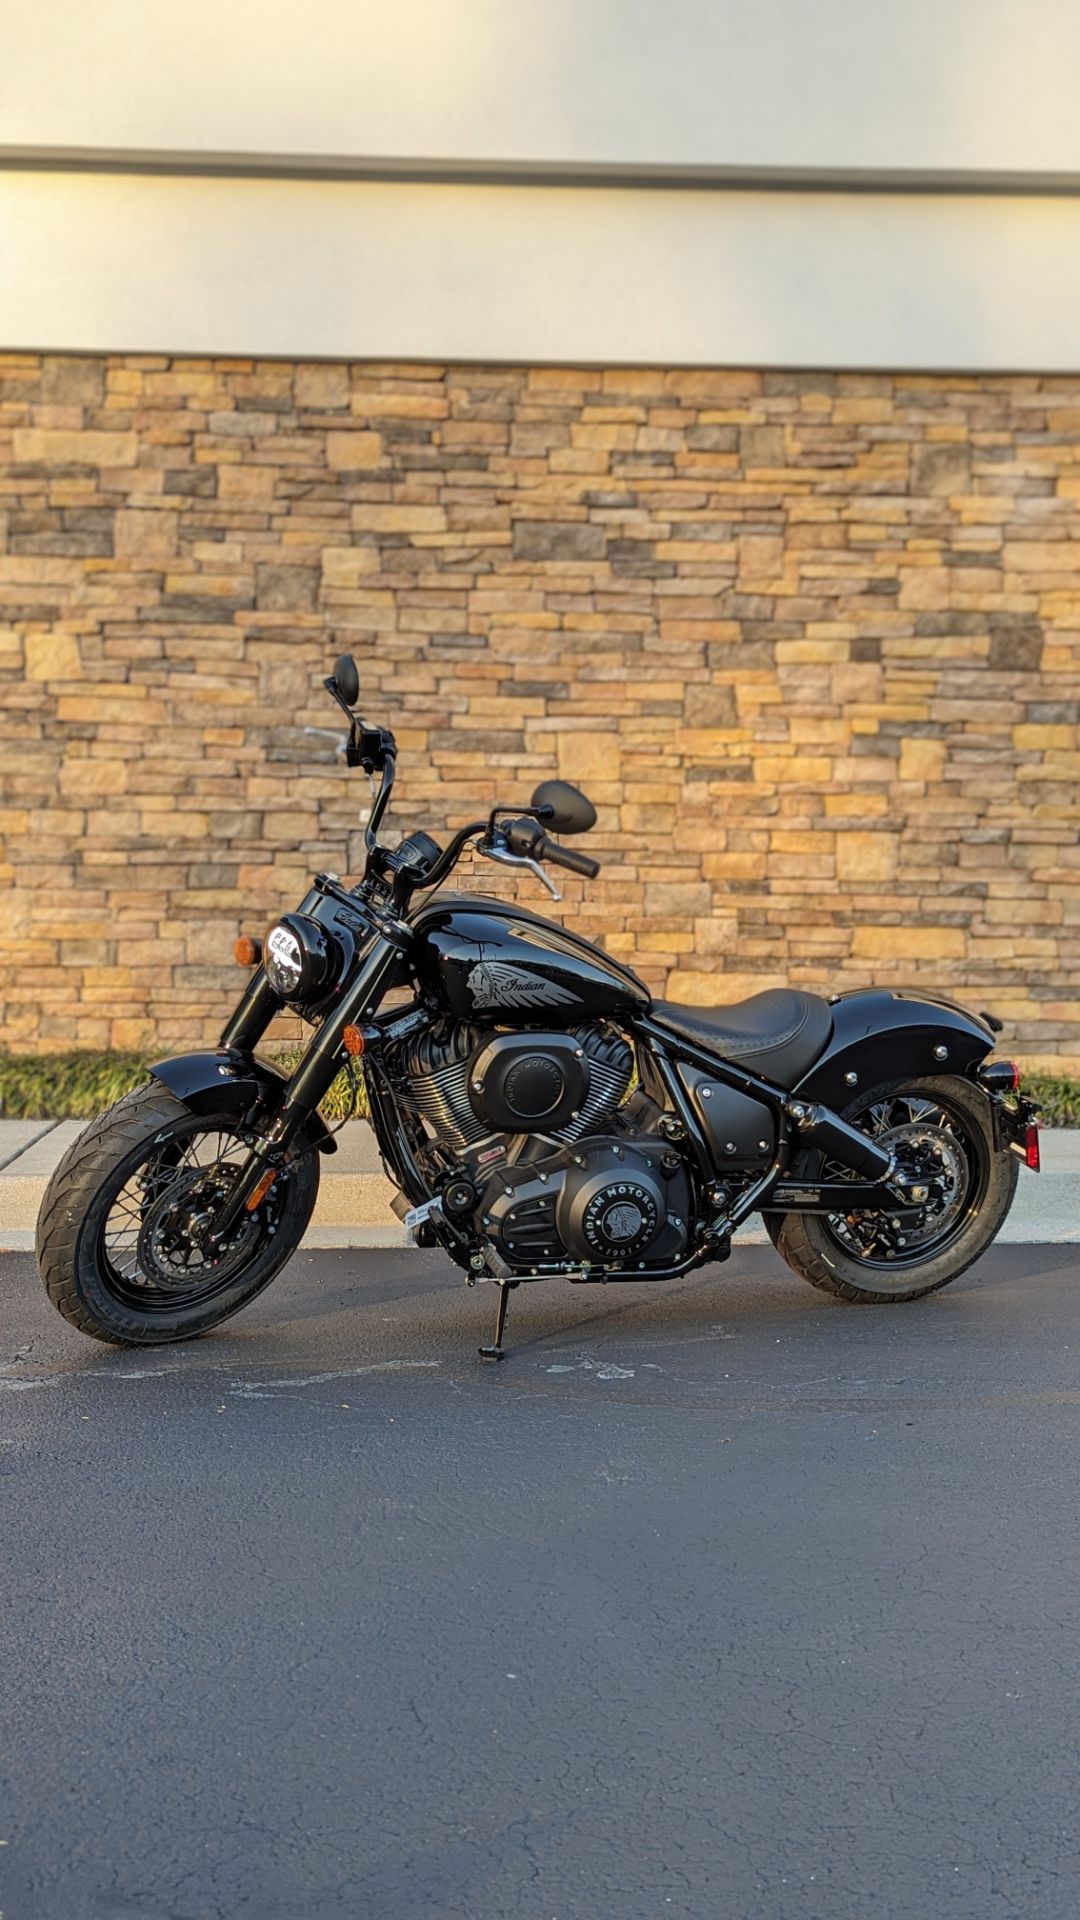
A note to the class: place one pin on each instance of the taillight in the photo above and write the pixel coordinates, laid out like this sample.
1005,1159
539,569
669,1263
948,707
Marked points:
1031,1146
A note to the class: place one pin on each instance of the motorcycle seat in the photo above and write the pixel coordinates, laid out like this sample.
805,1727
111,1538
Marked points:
777,1034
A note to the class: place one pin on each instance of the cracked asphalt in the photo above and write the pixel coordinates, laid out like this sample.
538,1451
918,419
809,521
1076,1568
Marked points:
717,1600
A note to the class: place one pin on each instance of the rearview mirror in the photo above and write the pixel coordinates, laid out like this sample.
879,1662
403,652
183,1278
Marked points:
348,680
570,811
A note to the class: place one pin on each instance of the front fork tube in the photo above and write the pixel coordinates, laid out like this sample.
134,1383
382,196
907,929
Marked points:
254,1014
315,1074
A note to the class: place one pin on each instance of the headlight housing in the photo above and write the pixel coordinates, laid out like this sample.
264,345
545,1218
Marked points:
302,961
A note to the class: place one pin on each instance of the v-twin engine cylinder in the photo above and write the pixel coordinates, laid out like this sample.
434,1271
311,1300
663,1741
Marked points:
468,1083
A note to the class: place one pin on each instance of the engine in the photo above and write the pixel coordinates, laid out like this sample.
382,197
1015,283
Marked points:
468,1085
534,1146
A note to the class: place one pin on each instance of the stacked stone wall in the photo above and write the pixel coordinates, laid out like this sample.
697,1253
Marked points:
811,641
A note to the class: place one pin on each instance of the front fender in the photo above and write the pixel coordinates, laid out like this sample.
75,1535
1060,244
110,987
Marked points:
883,1035
232,1082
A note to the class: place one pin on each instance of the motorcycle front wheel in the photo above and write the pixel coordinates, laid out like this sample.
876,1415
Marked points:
120,1243
940,1130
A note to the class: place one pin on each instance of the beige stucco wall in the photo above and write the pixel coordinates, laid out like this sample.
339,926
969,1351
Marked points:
109,262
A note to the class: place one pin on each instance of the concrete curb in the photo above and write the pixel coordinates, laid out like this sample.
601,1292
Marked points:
353,1208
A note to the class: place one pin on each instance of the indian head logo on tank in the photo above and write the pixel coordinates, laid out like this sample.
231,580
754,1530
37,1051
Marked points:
494,983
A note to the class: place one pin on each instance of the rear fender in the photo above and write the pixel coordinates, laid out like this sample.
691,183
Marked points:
228,1081
881,1035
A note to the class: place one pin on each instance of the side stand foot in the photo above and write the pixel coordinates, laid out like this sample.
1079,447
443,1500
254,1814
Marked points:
495,1351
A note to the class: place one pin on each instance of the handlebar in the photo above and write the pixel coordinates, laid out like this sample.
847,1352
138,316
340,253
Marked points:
560,856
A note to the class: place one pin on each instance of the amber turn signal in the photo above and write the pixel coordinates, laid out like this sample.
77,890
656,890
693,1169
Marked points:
353,1041
261,1190
247,952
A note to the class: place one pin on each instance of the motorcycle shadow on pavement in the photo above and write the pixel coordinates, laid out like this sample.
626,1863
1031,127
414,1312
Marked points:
362,1301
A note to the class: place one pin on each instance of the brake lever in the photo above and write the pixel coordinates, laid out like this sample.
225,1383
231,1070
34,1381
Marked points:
505,859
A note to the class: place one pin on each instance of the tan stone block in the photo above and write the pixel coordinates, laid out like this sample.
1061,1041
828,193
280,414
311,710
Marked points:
733,866
353,452
1042,556
675,899
347,566
924,587
906,942
145,534
714,383
867,856
584,756
52,656
796,652
761,554
1038,738
797,769
606,438
921,758
782,841
81,779
243,482
35,446
130,1034
203,586
370,517
322,386
691,987
400,406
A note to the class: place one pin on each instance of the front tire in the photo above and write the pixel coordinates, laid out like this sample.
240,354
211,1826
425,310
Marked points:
108,1250
850,1256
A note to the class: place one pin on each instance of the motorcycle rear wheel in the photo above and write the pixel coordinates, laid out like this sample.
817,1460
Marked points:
117,1246
851,1256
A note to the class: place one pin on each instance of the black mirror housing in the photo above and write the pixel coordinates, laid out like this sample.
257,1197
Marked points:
570,811
348,679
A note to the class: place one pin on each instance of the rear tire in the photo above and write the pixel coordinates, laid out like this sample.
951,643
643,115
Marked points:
83,1280
810,1244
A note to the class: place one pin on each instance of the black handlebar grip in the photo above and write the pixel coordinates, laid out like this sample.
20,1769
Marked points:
566,857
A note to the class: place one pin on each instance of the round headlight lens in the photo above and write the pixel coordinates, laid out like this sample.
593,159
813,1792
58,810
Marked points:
283,959
301,959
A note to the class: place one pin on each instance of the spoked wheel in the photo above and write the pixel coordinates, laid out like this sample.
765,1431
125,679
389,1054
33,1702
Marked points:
121,1236
940,1132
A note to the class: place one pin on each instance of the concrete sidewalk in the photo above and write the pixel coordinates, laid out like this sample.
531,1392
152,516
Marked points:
353,1208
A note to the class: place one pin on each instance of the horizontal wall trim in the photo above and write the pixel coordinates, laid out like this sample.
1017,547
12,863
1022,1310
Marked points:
587,275
538,173
950,88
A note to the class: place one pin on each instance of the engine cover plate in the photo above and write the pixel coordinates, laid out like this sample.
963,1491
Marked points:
526,1083
602,1204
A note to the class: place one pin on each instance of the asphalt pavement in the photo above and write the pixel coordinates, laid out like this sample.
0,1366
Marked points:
716,1600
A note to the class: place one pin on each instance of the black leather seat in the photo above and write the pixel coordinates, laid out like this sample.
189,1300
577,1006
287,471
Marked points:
778,1034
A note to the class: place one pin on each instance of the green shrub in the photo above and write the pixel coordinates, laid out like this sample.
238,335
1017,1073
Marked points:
1059,1096
76,1086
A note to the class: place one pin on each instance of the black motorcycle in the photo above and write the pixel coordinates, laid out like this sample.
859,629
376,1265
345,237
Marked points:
539,1114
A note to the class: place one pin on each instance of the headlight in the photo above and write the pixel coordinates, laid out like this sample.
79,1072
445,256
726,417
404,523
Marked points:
301,959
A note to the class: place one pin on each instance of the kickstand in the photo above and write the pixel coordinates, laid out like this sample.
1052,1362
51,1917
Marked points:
495,1351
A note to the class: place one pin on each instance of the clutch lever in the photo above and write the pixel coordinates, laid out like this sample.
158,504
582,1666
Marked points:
506,859
341,740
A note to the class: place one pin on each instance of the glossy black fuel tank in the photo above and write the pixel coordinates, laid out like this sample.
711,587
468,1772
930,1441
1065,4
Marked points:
488,960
